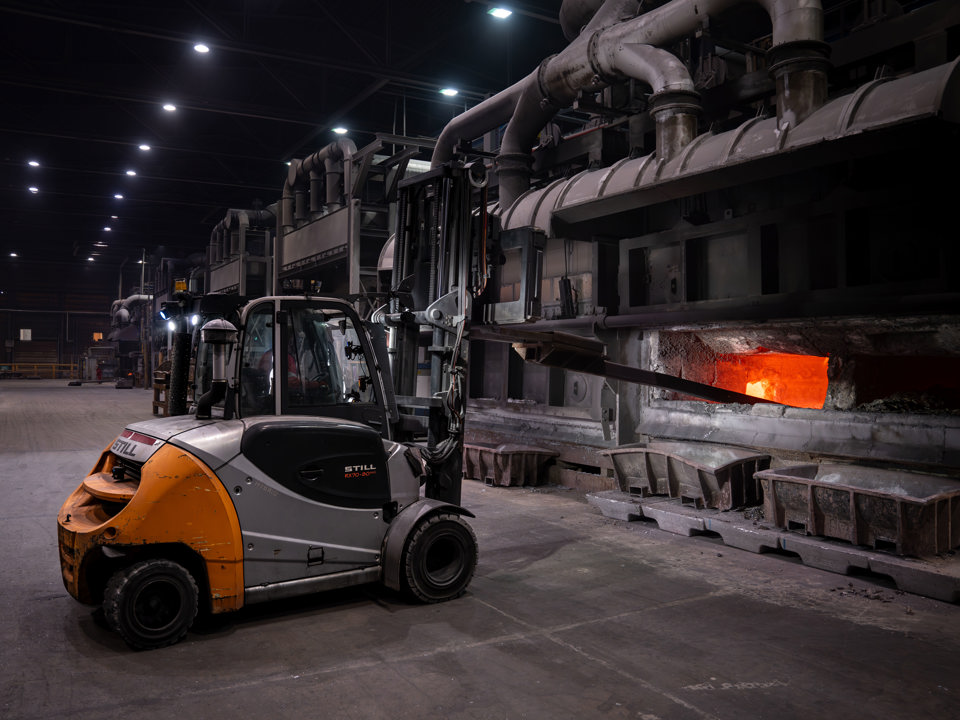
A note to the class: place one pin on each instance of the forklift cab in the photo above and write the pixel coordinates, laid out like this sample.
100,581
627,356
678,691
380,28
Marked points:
327,366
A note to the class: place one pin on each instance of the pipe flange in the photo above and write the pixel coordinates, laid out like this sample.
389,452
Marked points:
798,55
678,101
514,164
593,57
542,85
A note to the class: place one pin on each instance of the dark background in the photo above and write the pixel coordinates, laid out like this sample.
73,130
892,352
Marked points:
83,86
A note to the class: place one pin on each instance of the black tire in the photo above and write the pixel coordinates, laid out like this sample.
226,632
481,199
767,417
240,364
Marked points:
440,558
151,603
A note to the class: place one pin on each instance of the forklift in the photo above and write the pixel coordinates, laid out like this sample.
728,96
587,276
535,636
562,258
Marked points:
314,456
298,468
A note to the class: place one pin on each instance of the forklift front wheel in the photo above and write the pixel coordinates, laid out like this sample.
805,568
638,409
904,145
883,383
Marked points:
440,558
151,603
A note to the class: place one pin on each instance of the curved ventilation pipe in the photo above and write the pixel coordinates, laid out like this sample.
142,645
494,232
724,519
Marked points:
798,59
121,308
674,106
481,118
234,217
798,62
608,49
498,109
306,179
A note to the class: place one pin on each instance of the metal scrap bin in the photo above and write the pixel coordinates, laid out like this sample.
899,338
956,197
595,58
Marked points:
906,512
505,464
704,474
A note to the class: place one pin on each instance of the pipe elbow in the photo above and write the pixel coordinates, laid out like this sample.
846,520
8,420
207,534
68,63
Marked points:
347,148
660,69
293,174
489,114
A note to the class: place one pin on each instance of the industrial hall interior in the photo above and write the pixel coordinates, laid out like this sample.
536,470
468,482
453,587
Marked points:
455,359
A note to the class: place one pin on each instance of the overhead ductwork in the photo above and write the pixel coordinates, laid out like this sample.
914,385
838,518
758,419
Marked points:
306,181
759,148
616,44
498,109
481,118
234,219
120,309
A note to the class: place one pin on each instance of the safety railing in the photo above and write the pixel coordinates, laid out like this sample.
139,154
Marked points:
38,370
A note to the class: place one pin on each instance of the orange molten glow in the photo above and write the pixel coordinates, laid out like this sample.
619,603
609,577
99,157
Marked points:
796,380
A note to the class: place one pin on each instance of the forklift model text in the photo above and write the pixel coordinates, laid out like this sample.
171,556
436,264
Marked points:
356,471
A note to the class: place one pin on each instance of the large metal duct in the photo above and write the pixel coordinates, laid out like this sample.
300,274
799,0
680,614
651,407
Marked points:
305,179
481,118
760,148
798,63
610,48
234,218
120,309
498,109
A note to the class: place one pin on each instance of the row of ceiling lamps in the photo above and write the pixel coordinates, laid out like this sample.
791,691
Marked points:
35,190
500,13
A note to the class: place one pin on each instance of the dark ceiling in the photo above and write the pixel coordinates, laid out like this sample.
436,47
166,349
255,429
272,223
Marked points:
84,85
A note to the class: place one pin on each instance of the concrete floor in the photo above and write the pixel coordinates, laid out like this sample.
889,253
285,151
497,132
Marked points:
570,615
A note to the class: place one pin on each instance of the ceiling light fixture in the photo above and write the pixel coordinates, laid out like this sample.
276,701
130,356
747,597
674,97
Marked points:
113,217
89,259
118,196
131,173
144,147
449,92
500,13
33,189
13,254
340,130
170,107
106,228
33,163
99,244
201,48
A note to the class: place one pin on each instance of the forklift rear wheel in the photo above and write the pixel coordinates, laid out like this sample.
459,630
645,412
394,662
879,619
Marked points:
151,603
440,558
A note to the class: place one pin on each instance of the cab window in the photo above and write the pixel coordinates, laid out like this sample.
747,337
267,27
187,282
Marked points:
325,364
257,383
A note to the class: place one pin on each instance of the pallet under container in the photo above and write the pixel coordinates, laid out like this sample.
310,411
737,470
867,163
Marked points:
903,512
701,474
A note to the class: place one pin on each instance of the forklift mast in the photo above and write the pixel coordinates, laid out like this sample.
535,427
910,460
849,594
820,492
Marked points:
440,265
